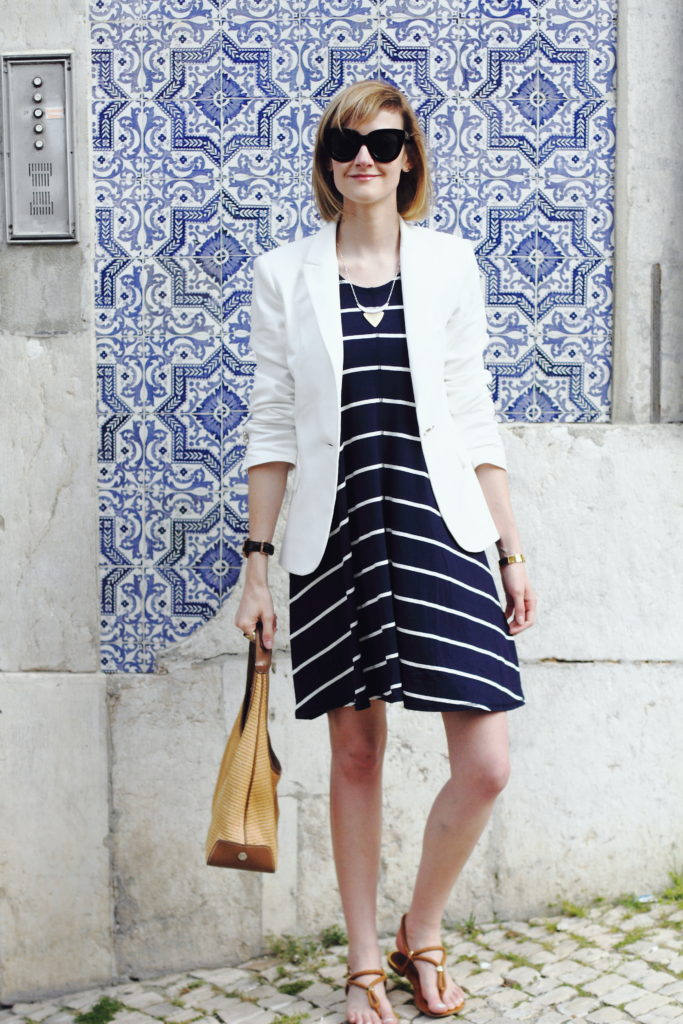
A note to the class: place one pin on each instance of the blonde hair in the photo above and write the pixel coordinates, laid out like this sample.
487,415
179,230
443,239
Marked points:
358,103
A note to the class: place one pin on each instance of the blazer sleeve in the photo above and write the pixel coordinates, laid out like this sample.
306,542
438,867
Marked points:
269,428
467,378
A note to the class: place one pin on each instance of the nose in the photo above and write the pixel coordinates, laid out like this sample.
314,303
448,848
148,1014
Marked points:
363,156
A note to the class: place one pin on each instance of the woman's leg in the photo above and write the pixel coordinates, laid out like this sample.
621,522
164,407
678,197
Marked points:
479,762
358,740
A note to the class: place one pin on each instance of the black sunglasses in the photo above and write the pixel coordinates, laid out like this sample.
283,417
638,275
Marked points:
384,144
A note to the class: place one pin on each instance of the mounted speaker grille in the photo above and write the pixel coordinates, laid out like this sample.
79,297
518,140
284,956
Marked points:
41,204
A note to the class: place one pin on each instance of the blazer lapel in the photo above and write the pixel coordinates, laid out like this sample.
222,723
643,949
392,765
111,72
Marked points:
322,280
419,284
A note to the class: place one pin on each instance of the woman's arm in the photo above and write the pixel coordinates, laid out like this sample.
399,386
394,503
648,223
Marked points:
521,600
267,483
271,445
466,376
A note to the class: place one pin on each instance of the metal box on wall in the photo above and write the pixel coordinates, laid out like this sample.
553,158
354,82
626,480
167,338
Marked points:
38,147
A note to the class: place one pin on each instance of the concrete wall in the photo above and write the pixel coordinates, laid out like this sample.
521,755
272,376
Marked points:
106,781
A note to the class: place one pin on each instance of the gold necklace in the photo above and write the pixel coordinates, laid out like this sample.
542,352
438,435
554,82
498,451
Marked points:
373,314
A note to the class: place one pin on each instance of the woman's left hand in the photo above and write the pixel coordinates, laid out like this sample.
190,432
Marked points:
520,608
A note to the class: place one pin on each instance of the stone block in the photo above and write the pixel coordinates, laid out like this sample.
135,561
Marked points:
55,917
593,708
173,911
580,477
49,617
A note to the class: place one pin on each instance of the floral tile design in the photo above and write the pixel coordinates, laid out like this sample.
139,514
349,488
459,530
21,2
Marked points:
203,115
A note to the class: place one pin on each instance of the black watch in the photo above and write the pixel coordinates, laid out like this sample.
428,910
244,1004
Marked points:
257,545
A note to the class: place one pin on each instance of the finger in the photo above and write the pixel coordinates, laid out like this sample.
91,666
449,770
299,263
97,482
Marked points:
268,630
520,610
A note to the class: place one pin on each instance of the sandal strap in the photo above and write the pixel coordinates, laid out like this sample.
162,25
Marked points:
373,998
416,954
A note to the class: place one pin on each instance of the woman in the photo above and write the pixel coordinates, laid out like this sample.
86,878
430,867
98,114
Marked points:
370,382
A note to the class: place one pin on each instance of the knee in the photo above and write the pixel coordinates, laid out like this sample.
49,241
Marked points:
359,758
490,777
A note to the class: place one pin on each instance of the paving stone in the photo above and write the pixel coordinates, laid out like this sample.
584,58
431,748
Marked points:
482,980
646,1003
507,997
556,995
77,1000
673,991
608,1015
522,975
39,1011
523,1011
605,983
622,995
578,1007
164,1011
139,999
132,1017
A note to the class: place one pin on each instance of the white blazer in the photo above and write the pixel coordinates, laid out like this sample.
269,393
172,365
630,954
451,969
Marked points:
295,406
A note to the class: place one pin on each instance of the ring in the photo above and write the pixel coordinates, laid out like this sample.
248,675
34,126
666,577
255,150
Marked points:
251,637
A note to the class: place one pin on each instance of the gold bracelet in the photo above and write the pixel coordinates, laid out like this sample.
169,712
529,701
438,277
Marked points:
509,559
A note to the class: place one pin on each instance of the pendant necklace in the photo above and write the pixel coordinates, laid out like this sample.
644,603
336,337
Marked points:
373,314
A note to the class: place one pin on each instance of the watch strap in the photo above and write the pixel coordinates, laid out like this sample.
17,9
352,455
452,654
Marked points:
257,545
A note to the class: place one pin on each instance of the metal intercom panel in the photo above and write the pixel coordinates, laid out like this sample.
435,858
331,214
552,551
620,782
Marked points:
38,147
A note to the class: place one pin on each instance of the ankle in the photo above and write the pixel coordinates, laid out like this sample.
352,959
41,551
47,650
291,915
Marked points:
420,928
364,957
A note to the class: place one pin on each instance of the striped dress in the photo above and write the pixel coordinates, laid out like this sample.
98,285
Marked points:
396,610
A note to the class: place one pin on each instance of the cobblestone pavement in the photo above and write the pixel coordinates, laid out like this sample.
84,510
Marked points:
603,964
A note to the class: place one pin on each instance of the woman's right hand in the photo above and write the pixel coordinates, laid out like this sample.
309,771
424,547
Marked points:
257,603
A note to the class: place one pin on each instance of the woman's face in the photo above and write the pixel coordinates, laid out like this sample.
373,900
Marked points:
365,181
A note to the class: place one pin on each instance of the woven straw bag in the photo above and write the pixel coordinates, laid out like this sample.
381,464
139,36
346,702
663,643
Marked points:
244,813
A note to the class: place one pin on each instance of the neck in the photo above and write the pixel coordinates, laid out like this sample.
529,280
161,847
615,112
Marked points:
368,231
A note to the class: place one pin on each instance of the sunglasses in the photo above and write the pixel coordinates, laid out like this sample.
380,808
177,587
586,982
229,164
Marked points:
384,144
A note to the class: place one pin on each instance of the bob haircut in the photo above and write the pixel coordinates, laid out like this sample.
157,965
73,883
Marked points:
354,105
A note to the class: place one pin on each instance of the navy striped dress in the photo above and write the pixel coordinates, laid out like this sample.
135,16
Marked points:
396,610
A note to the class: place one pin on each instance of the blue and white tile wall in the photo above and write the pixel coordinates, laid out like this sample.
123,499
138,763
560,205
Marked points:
203,119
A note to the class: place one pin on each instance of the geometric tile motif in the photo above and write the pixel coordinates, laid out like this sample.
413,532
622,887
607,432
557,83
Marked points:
203,114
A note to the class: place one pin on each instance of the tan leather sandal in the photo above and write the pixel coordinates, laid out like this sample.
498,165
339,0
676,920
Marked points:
403,962
373,998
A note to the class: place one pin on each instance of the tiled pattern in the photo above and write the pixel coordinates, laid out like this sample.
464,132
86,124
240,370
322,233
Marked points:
203,117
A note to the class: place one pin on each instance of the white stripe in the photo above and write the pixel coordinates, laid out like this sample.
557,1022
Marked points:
446,700
329,682
370,501
378,664
460,643
457,672
381,465
319,654
440,544
377,597
364,369
363,689
449,579
378,433
454,611
377,401
385,625
379,335
425,540
317,580
322,615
